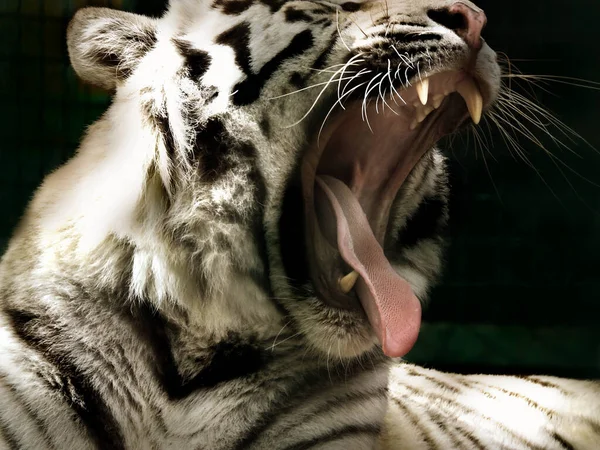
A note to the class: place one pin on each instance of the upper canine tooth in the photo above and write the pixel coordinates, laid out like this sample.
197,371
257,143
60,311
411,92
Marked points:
470,92
422,88
347,283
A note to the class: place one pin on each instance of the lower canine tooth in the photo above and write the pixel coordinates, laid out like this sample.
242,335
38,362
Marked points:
470,92
348,282
423,113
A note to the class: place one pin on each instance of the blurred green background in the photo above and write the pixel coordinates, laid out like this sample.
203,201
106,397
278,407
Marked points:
520,292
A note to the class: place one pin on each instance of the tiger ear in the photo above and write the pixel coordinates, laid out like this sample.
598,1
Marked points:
105,45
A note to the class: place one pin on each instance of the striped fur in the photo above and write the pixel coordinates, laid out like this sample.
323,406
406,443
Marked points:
434,410
157,294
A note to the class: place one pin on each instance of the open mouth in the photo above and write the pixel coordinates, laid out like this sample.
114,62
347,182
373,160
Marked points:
350,178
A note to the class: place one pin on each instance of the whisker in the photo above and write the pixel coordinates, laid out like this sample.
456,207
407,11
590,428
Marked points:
312,86
367,92
315,101
349,82
337,24
570,81
283,340
339,101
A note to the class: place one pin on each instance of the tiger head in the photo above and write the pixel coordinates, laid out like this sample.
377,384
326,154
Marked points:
285,150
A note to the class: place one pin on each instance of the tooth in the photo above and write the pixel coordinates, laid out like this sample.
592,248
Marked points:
348,282
422,113
422,88
414,124
437,101
470,92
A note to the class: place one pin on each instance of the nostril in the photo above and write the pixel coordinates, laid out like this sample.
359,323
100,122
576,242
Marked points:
453,21
465,19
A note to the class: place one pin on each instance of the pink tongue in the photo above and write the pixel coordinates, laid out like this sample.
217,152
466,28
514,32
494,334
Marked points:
392,308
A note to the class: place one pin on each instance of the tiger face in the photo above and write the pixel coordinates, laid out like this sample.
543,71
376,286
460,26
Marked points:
295,147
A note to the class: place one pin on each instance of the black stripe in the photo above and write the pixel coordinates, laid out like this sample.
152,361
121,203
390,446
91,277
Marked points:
520,396
41,333
475,443
219,152
280,406
160,122
39,423
197,61
265,125
232,7
407,38
386,20
452,428
351,6
546,384
415,422
445,427
231,358
562,441
297,391
296,15
300,81
441,384
408,188
7,436
238,38
324,21
465,410
336,435
249,90
442,421
237,7
297,80
425,223
336,403
164,125
261,277
430,165
292,235
322,58
274,5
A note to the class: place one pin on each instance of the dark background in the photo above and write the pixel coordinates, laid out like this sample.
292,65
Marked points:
520,292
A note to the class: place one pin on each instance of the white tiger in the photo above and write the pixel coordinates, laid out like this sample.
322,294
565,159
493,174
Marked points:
237,254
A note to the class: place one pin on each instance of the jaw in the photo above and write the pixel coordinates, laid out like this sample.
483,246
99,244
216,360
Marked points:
350,179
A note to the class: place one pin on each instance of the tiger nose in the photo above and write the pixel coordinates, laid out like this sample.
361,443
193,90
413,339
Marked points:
465,19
